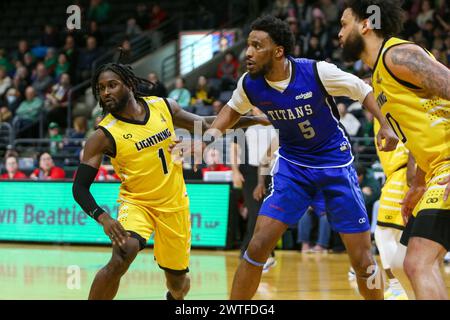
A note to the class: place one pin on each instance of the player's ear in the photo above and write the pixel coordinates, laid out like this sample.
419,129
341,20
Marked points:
279,52
365,26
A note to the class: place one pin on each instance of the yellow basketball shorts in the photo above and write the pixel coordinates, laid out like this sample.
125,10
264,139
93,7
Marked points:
431,216
393,192
433,197
172,234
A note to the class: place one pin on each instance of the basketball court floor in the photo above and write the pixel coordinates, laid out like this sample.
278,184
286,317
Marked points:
30,271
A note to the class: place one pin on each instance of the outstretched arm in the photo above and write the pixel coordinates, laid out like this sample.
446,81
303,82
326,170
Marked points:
187,120
385,133
411,63
95,147
339,83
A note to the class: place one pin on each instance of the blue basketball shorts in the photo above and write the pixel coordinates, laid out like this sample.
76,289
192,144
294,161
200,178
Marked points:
294,188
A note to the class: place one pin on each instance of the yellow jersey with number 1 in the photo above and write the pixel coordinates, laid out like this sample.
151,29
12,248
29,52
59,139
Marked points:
150,177
422,123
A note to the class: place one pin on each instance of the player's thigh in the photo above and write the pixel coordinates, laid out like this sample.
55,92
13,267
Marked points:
137,221
344,200
290,194
173,241
432,219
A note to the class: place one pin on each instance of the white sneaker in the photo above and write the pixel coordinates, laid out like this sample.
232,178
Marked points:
351,275
395,294
270,263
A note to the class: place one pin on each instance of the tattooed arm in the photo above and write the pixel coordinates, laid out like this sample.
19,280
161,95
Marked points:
412,64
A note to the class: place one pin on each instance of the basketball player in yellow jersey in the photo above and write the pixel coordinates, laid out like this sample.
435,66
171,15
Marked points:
136,134
399,168
413,92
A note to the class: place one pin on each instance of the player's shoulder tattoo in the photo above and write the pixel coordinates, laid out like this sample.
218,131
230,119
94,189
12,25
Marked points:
408,57
431,76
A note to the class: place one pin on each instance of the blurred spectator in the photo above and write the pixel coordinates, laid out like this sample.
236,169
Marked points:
410,26
426,14
316,214
293,26
5,81
87,58
95,32
348,120
214,162
22,49
133,29
47,169
30,63
125,53
98,11
314,51
180,94
71,52
57,100
94,126
4,62
11,152
157,16
330,11
203,95
78,132
63,65
42,82
21,80
9,104
227,71
302,11
55,137
28,112
50,37
366,146
12,169
370,188
280,9
50,61
159,89
142,16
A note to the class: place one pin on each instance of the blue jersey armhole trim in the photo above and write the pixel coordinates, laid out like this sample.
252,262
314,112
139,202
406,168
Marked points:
244,87
316,74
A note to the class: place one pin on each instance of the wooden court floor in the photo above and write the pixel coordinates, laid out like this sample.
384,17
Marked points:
66,272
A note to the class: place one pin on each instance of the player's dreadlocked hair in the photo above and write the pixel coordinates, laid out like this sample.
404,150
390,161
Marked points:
391,14
278,31
139,86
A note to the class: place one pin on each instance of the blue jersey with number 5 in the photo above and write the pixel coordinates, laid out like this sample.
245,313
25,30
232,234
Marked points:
305,115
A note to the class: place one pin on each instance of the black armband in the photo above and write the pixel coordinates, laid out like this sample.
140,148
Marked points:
80,190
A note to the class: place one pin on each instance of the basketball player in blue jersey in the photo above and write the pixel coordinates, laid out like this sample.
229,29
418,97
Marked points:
314,154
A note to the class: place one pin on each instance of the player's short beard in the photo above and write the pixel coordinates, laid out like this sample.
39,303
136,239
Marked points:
353,47
261,72
118,107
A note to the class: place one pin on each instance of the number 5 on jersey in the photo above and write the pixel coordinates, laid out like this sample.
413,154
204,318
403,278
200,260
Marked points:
306,129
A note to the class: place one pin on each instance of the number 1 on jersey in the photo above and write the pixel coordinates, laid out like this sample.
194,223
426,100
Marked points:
163,160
